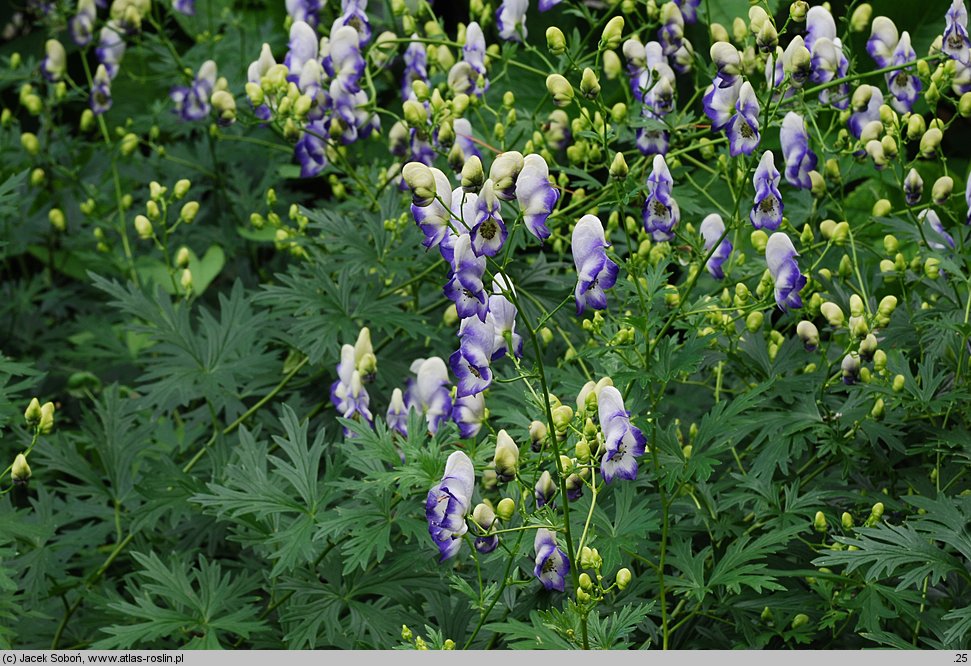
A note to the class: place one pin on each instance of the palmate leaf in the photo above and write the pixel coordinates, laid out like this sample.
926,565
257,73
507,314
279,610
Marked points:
893,550
196,606
15,380
957,633
609,633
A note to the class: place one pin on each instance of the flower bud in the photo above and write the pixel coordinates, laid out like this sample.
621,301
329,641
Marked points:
562,416
942,189
414,113
817,184
800,620
421,181
618,167
46,422
506,457
819,522
612,33
545,488
878,408
932,268
832,313
850,368
20,470
484,516
590,558
759,240
872,130
875,150
186,281
754,321
560,89
798,11
964,105
889,145
861,97
809,334
586,583
768,38
589,84
56,217
624,577
506,509
846,520
555,40
618,113
33,413
856,306
930,142
143,227
868,347
225,105
189,211
860,19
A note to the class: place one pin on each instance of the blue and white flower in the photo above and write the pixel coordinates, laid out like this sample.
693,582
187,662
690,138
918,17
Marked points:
780,255
767,211
661,212
623,442
712,230
448,503
800,160
743,128
552,564
536,196
595,272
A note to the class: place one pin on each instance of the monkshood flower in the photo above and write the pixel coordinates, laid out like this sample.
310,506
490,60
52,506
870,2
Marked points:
304,10
827,55
469,413
448,503
545,490
416,68
689,9
883,41
536,196
767,211
504,173
397,415
719,103
311,150
552,564
797,61
187,7
728,60
780,255
428,392
595,272
100,100
819,25
485,521
433,217
192,102
904,86
712,229
671,32
354,15
81,25
800,160
344,61
255,73
55,60
471,363
956,43
503,313
506,459
350,120
465,287
489,231
463,205
511,19
743,128
546,5
473,54
682,60
303,46
913,187
661,212
859,120
931,218
623,442
111,47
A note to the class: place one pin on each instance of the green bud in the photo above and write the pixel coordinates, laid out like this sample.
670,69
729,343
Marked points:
877,411
759,240
56,218
37,177
833,314
798,11
33,412
618,113
847,520
800,620
754,321
506,508
618,167
30,143
624,577
942,189
819,522
808,333
876,513
589,84
817,184
143,227
506,458
555,41
586,583
590,558
612,66
20,470
562,416
881,208
545,335
414,113
46,422
448,644
560,89
964,105
612,33
189,211
930,142
932,268
583,450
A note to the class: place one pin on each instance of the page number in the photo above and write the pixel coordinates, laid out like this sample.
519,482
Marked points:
961,658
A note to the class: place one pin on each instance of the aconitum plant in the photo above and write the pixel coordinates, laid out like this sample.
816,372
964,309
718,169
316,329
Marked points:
485,325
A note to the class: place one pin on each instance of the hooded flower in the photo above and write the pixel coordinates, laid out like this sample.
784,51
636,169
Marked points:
511,19
652,83
767,211
671,32
800,160
780,255
471,363
465,287
552,564
469,412
192,102
448,503
595,272
904,86
397,415
304,10
859,119
536,196
81,25
354,15
728,61
187,7
433,219
743,128
473,55
546,5
489,231
930,217
545,490
623,442
303,46
428,392
100,100
819,25
348,394
913,187
661,212
503,313
719,103
689,9
712,229
344,61
311,150
255,73
956,43
55,60
883,41
416,68
111,47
